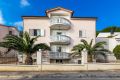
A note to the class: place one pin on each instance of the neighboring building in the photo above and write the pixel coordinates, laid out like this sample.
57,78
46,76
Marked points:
112,40
61,31
4,31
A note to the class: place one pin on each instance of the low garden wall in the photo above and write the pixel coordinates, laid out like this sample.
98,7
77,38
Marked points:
19,68
61,67
64,67
104,66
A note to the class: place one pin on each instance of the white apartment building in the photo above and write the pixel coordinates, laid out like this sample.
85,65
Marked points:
61,31
112,40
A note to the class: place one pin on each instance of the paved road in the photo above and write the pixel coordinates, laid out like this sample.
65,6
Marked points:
91,75
66,79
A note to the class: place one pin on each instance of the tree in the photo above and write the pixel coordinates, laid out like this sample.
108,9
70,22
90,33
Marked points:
116,51
97,32
92,50
24,44
111,29
77,49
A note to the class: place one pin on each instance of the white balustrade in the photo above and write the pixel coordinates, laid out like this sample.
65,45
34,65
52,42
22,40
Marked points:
60,38
59,20
59,55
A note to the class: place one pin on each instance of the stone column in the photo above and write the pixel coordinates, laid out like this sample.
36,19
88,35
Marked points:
84,56
23,58
39,57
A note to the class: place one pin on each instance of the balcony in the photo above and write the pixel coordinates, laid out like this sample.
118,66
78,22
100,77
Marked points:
59,23
59,55
60,40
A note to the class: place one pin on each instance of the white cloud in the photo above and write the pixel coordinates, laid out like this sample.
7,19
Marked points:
24,3
1,18
19,23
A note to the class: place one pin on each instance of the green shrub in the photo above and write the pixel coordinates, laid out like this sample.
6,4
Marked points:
116,51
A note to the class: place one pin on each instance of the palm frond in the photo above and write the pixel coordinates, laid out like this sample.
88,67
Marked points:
99,45
94,50
32,41
26,39
24,43
104,50
40,46
75,54
87,46
78,47
91,42
84,42
12,41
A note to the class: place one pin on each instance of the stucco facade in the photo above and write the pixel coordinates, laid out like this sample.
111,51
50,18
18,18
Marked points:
4,31
60,30
112,40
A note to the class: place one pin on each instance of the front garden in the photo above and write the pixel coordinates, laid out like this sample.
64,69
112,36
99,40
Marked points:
26,45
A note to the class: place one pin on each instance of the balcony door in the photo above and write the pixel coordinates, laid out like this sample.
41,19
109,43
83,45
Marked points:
58,36
59,49
59,33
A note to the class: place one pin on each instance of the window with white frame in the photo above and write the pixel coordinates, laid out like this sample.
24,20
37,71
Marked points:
10,33
82,33
37,32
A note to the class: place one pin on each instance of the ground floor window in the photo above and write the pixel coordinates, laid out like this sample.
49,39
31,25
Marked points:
79,61
59,61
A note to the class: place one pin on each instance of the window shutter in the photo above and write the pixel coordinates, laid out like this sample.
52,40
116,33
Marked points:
38,32
84,33
42,32
31,32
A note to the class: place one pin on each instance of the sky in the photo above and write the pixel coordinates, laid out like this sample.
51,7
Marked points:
107,11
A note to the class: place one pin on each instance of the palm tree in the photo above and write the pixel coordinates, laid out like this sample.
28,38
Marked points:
92,50
24,44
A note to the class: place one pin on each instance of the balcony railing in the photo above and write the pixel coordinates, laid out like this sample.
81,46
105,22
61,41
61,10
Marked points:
59,55
60,23
60,39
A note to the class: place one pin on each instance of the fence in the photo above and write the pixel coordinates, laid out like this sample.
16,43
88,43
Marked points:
8,60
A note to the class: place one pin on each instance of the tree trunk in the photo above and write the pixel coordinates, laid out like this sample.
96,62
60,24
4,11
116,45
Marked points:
28,60
90,58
